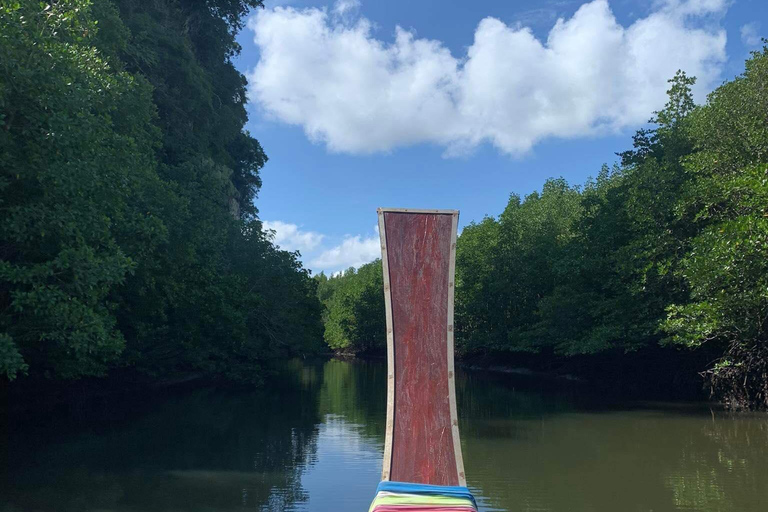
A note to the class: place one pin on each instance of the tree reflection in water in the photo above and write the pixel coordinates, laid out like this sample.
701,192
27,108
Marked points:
314,440
208,450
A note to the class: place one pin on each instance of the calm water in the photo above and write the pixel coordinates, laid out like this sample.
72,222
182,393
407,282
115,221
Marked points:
316,442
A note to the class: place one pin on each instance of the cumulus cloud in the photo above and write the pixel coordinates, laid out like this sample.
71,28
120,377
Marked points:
291,238
318,254
353,251
355,93
750,34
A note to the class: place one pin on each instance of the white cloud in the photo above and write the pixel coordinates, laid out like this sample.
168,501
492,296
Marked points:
291,238
357,94
353,251
345,7
750,34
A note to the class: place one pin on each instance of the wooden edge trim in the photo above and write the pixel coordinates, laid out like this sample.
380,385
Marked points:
451,369
390,425
416,210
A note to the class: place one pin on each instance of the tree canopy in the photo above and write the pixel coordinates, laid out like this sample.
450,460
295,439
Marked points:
665,251
130,235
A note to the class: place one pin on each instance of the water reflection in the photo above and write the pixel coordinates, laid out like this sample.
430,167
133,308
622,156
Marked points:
723,462
314,442
574,454
206,450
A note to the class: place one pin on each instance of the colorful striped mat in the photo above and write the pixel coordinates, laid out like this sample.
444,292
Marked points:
405,497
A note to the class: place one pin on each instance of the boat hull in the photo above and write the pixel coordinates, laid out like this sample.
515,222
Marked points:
418,258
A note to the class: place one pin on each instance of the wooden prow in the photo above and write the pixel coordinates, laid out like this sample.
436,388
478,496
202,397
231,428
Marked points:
418,249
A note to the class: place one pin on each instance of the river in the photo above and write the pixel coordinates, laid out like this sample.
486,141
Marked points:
313,441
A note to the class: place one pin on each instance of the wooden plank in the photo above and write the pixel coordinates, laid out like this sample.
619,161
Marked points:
450,342
390,353
422,440
417,210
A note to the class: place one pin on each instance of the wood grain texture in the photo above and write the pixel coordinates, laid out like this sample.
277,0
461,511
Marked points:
387,462
418,252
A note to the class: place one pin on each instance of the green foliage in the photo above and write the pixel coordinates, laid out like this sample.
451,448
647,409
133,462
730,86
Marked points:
353,314
726,267
670,247
129,233
504,267
475,272
224,300
582,271
77,189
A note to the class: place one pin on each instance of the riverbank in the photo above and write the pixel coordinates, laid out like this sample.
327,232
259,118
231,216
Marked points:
38,396
653,373
658,374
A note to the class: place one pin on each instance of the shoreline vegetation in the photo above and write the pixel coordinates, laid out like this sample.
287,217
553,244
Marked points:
652,277
130,242
131,248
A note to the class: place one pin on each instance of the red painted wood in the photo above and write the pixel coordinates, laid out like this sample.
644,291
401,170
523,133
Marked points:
418,252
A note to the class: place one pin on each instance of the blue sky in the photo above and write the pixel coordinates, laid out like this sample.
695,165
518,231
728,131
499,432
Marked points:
361,104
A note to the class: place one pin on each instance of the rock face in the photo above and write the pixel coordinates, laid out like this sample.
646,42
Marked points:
234,208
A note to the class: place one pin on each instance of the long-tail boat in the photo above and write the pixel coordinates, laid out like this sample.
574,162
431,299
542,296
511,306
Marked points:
423,468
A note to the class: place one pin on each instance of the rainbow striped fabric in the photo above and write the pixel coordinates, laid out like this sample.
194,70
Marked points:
406,497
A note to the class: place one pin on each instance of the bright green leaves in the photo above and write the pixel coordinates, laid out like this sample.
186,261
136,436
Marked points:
726,267
72,178
673,245
679,104
476,285
354,309
670,247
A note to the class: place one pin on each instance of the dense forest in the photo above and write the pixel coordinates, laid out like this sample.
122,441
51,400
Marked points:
660,261
129,237
130,240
